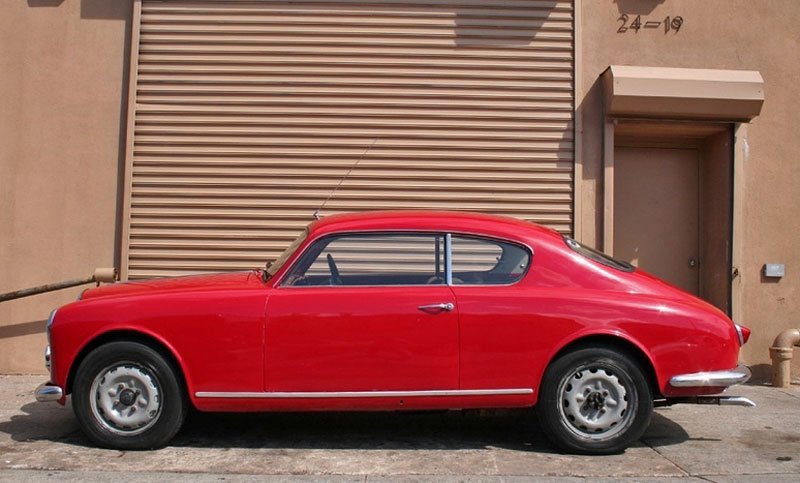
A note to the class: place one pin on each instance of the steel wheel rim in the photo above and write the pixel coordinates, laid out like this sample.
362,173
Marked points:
595,403
126,398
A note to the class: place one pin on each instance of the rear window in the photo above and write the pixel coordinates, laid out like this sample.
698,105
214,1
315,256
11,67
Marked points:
598,256
484,261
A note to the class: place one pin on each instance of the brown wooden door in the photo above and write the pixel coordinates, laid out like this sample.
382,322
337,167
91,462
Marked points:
656,212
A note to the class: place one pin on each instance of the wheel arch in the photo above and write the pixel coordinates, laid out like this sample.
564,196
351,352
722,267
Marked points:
617,343
129,335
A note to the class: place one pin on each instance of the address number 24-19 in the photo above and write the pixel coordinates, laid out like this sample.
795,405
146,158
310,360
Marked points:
669,23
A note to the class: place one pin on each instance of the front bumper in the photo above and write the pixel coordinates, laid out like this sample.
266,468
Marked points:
727,378
48,392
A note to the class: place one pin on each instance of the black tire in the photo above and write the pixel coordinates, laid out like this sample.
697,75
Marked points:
127,396
594,401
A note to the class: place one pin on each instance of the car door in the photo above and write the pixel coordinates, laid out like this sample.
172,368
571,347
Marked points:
497,333
364,312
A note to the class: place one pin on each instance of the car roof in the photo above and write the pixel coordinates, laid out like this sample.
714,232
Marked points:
409,220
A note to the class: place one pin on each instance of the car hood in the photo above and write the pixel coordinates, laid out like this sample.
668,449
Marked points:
176,284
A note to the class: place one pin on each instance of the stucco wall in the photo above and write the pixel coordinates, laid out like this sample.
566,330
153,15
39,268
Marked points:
724,34
63,77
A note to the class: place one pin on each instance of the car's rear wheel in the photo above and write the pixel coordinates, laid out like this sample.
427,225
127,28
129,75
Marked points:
126,395
594,401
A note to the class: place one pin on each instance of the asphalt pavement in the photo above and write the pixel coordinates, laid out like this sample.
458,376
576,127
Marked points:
42,441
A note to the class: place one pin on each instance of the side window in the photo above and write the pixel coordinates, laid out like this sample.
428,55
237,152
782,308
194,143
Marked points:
372,259
483,261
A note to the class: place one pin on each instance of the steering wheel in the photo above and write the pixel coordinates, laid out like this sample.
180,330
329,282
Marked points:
335,278
439,280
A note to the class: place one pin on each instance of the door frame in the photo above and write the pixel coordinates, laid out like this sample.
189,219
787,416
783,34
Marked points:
697,134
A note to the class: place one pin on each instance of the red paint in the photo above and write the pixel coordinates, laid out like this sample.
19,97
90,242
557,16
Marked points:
237,333
360,339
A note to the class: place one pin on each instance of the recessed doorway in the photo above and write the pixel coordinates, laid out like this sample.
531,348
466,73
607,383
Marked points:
672,203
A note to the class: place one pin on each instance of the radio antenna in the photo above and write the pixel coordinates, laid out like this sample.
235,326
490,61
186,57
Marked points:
317,216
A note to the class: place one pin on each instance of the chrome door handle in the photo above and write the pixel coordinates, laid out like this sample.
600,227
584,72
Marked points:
443,306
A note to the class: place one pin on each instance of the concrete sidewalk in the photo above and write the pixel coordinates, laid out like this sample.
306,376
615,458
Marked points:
42,441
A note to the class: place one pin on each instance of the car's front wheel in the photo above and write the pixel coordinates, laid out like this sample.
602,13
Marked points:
594,401
127,396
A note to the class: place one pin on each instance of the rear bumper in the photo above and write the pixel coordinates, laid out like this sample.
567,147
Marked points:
726,378
48,392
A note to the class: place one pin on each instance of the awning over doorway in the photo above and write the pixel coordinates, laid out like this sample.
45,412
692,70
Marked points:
677,93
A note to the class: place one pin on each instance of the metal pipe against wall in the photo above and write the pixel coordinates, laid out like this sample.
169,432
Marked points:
99,275
781,355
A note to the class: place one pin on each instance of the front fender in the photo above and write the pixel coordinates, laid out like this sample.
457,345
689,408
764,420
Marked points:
216,338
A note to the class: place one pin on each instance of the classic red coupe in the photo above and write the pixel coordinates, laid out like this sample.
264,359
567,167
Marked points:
397,311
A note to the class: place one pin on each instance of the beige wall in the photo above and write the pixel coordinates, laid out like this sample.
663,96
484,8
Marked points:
63,78
724,34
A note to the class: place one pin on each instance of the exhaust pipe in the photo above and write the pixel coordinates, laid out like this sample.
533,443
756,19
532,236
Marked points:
714,400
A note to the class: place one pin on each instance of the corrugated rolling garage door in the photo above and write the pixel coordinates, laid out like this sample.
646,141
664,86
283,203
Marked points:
247,114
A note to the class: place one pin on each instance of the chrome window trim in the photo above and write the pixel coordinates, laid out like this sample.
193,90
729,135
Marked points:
387,232
448,259
329,287
484,284
278,284
502,240
363,394
606,260
292,257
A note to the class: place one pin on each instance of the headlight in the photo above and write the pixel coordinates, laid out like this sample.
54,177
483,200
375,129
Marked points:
47,354
50,323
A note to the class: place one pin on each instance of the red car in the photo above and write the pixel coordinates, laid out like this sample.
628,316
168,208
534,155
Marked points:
397,311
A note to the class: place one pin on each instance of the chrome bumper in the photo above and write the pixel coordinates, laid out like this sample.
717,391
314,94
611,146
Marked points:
713,379
47,392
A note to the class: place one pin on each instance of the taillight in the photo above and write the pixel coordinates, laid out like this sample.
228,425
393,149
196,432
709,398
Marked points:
744,334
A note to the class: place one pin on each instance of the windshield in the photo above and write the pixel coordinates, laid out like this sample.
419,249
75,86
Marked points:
598,256
273,267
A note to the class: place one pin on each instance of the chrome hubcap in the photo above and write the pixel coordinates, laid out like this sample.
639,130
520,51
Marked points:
594,403
125,398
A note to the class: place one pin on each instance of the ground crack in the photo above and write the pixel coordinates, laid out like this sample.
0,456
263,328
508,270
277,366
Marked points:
676,465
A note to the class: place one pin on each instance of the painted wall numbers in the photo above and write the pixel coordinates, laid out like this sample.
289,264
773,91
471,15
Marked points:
668,23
